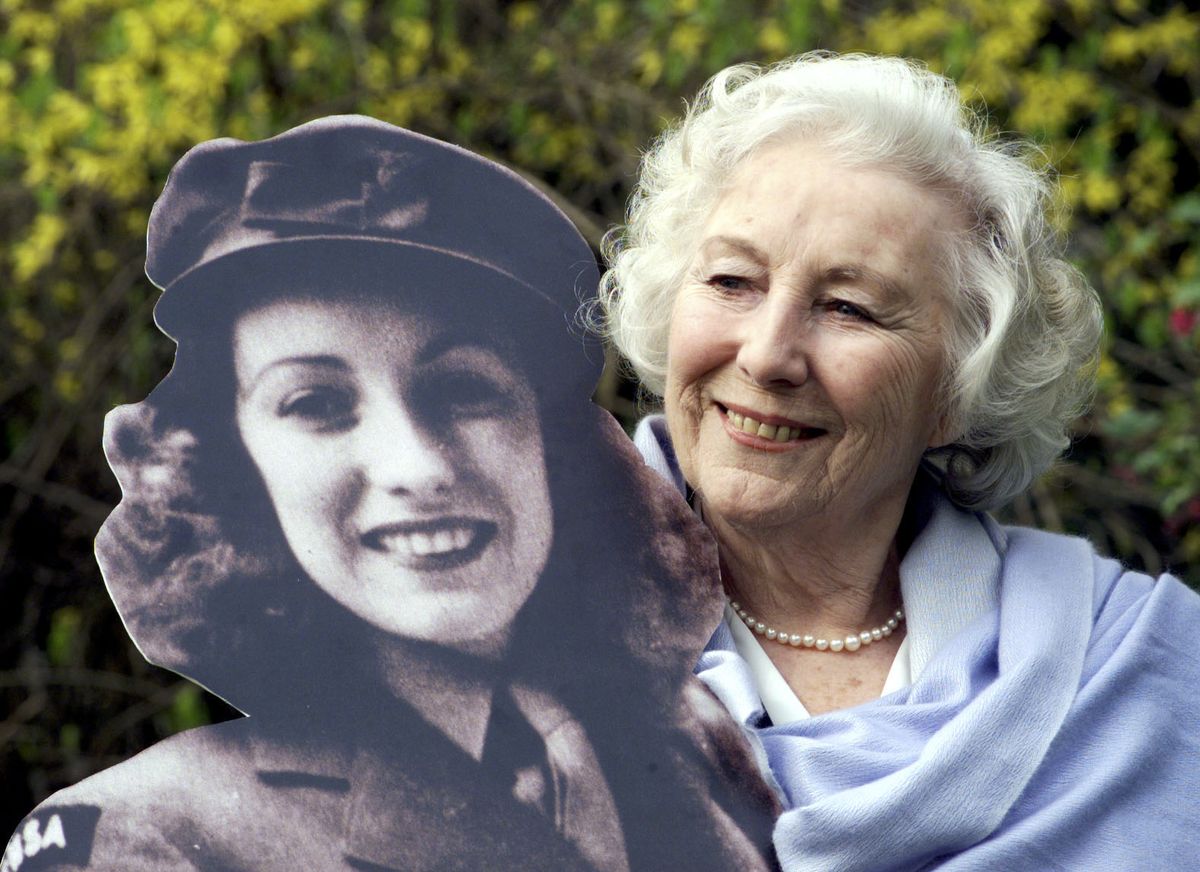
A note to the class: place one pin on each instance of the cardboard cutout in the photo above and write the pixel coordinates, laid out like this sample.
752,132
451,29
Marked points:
372,507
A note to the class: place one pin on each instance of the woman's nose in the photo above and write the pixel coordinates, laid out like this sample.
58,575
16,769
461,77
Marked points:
774,350
397,453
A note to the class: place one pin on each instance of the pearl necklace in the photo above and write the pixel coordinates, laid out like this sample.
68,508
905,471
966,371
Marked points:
851,643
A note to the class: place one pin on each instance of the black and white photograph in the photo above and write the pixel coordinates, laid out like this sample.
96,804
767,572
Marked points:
599,436
373,508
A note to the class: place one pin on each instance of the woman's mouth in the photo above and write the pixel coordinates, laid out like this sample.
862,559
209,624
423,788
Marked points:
767,431
431,545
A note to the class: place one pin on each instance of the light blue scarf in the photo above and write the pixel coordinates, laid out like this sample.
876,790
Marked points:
1053,722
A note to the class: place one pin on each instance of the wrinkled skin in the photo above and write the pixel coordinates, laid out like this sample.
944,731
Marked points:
815,298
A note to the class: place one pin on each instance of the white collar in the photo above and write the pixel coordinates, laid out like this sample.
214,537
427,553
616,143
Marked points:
778,698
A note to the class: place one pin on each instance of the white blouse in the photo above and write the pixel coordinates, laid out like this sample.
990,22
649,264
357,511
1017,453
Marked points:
780,701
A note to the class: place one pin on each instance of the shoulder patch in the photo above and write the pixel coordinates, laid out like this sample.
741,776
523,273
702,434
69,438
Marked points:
54,835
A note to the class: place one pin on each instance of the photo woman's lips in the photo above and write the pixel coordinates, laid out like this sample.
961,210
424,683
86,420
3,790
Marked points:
760,430
431,545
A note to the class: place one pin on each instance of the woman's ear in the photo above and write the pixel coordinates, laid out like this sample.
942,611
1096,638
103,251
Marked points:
946,430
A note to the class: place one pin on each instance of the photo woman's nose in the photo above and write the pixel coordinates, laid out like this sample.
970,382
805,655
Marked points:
399,452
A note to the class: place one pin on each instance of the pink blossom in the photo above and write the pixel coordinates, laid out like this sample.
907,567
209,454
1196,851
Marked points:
1183,321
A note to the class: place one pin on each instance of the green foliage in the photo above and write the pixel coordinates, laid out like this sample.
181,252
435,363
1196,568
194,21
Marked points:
98,98
63,640
187,709
70,738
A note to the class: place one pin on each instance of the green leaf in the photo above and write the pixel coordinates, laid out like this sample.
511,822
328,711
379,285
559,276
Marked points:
188,709
69,738
1177,497
1186,209
1143,241
1133,424
1147,461
1187,294
47,198
64,630
1152,329
35,94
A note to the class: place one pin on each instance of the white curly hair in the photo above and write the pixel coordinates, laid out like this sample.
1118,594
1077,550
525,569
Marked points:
1025,328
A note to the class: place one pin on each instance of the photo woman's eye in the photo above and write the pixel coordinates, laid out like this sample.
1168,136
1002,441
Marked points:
465,393
321,407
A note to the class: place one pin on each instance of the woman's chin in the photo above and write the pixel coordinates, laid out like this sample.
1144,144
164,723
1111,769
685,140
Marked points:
759,509
474,615
471,631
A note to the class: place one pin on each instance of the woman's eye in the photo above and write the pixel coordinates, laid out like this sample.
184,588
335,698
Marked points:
325,408
849,310
729,283
468,395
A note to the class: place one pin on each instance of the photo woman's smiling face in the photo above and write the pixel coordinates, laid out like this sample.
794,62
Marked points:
404,458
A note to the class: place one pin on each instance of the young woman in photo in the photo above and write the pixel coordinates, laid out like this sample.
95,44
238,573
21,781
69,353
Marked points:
372,507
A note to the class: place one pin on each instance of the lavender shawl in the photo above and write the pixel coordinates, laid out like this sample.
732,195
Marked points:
1053,722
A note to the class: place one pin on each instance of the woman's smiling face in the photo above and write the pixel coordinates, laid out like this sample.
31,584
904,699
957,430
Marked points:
404,459
812,315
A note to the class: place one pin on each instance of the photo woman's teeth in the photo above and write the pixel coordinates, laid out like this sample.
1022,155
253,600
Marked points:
767,431
430,541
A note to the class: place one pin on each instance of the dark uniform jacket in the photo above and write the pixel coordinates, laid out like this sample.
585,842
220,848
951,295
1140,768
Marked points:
396,794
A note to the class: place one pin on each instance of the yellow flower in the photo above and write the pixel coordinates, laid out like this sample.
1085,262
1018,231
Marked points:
772,39
1151,176
70,350
650,66
1101,193
104,259
1118,406
458,59
1053,101
67,385
686,40
398,108
522,15
608,16
34,27
65,294
1150,293
408,66
1191,544
27,327
1107,371
415,33
139,34
226,38
543,60
39,58
353,11
35,251
376,72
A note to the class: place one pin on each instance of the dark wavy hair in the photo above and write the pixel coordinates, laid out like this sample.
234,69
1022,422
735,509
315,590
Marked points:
208,587
196,561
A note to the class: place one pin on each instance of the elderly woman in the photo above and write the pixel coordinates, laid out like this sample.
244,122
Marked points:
864,335
372,507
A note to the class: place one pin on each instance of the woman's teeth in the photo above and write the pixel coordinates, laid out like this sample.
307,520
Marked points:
767,431
422,544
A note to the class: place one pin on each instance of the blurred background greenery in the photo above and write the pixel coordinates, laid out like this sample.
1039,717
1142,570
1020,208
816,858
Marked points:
98,98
